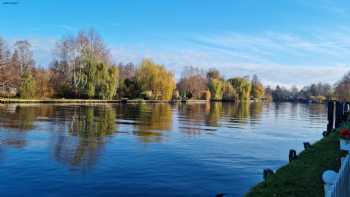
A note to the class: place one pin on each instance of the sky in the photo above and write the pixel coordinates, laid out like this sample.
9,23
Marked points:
287,42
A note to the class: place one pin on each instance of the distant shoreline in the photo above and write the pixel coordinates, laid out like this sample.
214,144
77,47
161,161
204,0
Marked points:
135,101
94,101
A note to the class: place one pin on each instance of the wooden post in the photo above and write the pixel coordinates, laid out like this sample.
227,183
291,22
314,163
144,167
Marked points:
331,116
339,114
346,110
292,155
307,145
267,173
343,104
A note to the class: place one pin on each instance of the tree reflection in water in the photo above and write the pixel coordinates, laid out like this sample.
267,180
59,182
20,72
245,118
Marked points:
255,112
192,117
89,126
215,114
316,110
22,117
16,120
155,118
198,118
240,112
79,133
86,135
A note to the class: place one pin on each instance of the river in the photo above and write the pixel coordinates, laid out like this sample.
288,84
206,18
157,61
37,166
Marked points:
149,149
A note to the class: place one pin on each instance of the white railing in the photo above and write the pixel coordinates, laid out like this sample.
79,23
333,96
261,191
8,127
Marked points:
338,184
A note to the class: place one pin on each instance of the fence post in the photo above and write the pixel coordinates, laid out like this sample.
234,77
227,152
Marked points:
329,177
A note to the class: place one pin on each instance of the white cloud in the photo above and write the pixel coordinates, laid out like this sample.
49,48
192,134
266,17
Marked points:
278,48
278,58
270,73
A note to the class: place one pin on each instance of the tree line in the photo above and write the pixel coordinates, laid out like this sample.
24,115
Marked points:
316,92
82,67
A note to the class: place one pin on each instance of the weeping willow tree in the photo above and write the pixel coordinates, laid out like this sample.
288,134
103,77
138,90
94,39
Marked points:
111,83
229,93
155,80
106,82
83,67
101,80
28,85
90,77
216,87
89,126
242,87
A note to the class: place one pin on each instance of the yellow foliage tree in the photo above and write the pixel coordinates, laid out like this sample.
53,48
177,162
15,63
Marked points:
155,78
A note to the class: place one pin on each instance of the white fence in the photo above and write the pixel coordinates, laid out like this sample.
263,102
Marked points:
338,184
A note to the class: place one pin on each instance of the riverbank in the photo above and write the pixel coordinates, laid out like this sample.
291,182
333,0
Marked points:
302,177
92,101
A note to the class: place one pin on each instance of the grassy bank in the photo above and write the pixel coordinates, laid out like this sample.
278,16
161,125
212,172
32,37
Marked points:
4,101
302,177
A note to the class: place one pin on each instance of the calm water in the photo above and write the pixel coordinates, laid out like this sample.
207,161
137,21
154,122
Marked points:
148,149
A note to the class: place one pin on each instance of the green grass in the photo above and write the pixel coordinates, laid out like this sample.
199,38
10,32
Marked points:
302,177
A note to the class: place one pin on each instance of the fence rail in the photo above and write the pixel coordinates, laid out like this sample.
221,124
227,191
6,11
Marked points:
338,186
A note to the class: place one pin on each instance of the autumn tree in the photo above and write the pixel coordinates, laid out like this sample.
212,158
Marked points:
213,73
4,54
342,88
5,74
24,56
128,87
257,88
25,62
155,80
65,66
193,83
43,88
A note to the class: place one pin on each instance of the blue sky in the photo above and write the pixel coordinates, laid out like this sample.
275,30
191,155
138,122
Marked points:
285,42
